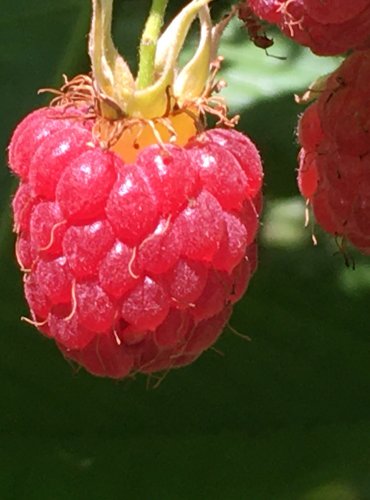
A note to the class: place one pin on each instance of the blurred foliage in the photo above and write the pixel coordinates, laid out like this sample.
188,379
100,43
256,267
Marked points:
284,417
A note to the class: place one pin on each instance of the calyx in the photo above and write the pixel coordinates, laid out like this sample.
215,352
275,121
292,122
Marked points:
120,94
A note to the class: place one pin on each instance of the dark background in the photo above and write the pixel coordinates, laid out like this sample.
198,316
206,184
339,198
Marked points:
284,417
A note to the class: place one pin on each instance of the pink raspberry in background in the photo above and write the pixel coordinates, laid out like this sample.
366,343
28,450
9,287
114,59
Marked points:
334,161
327,27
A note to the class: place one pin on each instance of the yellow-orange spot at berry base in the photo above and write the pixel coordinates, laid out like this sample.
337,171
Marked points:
176,129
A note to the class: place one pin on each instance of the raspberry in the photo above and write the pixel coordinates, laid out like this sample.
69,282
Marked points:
328,27
133,267
334,162
120,271
136,232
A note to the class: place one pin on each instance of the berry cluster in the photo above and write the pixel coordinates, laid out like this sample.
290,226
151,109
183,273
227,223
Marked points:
132,267
136,231
334,171
328,27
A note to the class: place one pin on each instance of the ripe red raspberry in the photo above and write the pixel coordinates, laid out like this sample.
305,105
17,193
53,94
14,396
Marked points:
334,169
328,27
135,231
132,266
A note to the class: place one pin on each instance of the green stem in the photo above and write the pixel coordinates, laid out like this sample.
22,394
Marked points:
148,43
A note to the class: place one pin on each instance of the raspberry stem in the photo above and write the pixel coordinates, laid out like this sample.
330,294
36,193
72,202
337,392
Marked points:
148,43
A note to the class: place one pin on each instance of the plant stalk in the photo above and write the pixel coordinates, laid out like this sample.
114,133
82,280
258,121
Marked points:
148,43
